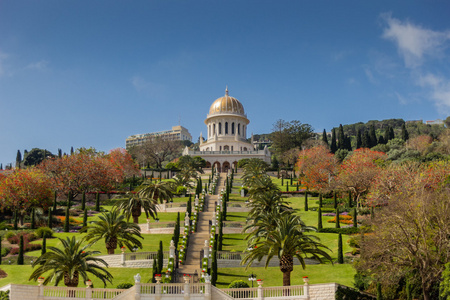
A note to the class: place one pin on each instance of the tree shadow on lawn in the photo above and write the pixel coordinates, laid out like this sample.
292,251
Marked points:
236,216
229,275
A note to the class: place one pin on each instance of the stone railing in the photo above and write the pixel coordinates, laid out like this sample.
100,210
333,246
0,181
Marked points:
144,255
175,291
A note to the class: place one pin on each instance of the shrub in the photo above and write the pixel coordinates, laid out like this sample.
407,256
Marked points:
26,247
10,234
124,286
181,190
345,219
27,236
344,292
44,230
237,284
5,251
347,230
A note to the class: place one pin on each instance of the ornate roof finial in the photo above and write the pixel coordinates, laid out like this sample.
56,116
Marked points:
226,90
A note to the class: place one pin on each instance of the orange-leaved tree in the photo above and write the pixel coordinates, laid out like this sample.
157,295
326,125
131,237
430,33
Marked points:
123,162
357,172
23,189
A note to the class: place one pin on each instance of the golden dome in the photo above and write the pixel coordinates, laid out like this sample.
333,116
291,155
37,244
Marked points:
227,104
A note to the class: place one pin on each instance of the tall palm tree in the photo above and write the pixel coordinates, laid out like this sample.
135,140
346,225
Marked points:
69,263
146,197
115,230
253,169
286,240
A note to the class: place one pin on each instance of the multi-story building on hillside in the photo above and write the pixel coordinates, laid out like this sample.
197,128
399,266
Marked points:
178,133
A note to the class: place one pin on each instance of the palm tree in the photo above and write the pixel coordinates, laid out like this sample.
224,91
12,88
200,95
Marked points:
115,230
69,263
286,240
253,169
146,198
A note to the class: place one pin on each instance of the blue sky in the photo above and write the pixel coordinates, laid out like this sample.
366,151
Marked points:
91,73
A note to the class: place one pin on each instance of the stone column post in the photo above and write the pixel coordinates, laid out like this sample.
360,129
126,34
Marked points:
206,249
306,287
260,290
148,224
89,292
164,209
158,288
123,256
172,249
207,287
187,287
186,220
137,287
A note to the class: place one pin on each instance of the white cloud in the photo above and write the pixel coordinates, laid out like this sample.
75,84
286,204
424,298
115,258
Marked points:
414,42
40,65
439,88
401,99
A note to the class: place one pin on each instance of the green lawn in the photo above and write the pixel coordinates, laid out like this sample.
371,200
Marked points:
272,276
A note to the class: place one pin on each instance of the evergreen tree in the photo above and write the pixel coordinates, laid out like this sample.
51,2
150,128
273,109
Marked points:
189,207
1,238
333,146
1,166
320,200
355,217
59,153
97,201
405,134
365,140
338,221
306,200
347,143
83,201
50,219
33,219
358,140
372,136
350,204
340,250
160,257
220,236
69,199
85,217
319,223
341,137
44,244
381,140
391,133
18,159
214,264
224,210
325,137
66,221
287,186
20,256
372,212
155,271
71,150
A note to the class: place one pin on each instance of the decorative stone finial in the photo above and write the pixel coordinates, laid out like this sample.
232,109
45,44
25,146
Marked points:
226,90
137,278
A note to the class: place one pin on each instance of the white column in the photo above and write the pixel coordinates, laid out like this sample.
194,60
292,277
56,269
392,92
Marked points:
137,286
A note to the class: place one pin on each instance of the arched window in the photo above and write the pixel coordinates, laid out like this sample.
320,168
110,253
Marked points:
226,127
209,131
220,128
220,149
226,148
245,148
214,128
231,148
232,128
239,129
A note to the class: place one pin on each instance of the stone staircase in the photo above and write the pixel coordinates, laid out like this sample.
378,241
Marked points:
197,239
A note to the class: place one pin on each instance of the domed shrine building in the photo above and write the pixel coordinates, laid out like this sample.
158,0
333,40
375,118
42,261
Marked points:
226,141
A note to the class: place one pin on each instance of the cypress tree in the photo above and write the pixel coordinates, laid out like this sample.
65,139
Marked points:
372,136
381,140
350,203
155,271
224,210
97,202
358,140
341,138
1,166
33,221
69,199
347,143
83,201
20,256
355,217
50,218
372,212
44,244
220,236
297,187
55,201
214,263
391,133
59,153
66,221
71,150
160,257
405,134
291,179
18,159
325,137
335,199
16,220
319,223
340,250
320,200
338,221
282,180
287,186
306,200
333,146
189,207
1,238
365,140
85,217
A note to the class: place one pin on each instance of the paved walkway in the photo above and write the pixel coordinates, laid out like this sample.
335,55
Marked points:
197,239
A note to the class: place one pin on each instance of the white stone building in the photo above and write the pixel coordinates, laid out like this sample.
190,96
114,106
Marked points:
226,140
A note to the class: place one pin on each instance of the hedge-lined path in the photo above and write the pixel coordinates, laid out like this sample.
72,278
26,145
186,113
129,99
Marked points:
197,239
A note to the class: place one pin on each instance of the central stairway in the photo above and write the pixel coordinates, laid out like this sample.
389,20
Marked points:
197,239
